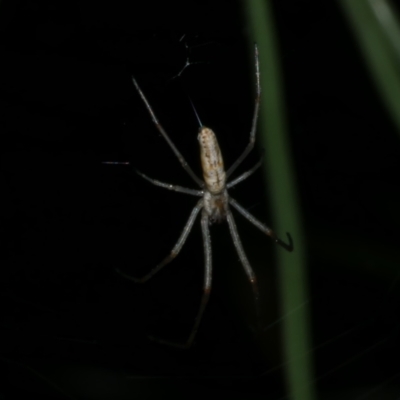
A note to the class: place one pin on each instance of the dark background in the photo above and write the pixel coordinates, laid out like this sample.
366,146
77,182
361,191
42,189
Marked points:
71,326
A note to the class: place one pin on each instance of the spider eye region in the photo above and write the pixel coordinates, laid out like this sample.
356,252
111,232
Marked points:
215,206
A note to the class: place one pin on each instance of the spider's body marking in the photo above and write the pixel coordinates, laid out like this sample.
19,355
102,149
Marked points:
215,194
211,161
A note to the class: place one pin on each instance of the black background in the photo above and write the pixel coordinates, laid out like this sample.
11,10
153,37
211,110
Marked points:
68,321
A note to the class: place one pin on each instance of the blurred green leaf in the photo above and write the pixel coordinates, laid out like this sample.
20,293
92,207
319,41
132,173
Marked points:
284,203
376,29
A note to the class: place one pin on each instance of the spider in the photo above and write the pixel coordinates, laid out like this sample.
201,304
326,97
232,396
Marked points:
214,204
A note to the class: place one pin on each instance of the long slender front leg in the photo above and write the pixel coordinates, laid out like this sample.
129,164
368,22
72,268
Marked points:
174,252
177,153
175,188
206,287
262,227
245,262
244,176
255,117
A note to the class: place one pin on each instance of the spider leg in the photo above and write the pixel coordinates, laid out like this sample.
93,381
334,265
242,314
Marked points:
261,226
206,287
245,262
174,252
183,162
244,176
175,188
255,118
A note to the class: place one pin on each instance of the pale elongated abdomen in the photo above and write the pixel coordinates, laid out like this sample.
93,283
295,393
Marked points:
211,161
